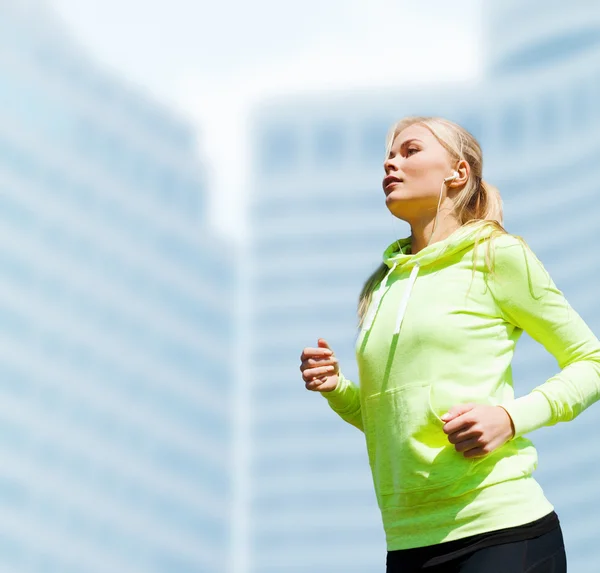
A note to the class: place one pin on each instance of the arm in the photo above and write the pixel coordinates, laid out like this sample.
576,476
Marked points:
528,298
344,399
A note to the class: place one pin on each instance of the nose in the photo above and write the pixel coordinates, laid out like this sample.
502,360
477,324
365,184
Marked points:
389,165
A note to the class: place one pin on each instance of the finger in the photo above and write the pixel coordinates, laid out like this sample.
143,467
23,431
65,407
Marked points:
476,452
323,344
467,445
456,411
463,434
314,384
461,423
311,373
314,362
315,353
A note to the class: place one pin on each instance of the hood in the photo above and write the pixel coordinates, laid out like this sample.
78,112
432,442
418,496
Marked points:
397,256
398,253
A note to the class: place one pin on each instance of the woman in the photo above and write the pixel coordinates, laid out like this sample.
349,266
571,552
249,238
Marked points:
439,322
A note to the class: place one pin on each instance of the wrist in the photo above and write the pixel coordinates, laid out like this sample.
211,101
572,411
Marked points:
510,423
339,387
529,412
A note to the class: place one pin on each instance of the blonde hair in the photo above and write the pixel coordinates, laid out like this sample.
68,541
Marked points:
477,201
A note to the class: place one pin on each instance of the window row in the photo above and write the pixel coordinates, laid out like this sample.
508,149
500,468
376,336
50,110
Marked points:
334,144
120,373
155,290
94,202
150,176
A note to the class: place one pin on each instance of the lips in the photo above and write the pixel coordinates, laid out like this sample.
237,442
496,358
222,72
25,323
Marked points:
390,179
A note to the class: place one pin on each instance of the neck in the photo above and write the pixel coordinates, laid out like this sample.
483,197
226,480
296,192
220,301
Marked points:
423,232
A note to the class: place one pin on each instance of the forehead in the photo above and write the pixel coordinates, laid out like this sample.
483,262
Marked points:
416,132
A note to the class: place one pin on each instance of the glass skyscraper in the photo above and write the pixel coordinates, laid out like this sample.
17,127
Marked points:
116,323
318,229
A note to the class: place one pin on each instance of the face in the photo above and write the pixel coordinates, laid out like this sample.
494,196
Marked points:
414,172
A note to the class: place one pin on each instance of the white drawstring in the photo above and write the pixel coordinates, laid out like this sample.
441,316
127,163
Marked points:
404,302
383,288
378,295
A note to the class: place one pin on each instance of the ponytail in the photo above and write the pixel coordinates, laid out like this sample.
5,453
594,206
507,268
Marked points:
364,300
479,201
492,202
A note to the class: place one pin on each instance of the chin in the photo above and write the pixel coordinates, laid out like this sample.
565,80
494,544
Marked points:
407,207
397,208
398,211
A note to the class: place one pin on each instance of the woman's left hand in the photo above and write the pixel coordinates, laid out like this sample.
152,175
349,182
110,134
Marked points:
477,429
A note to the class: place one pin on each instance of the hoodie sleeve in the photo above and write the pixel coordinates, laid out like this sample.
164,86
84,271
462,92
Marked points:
345,401
528,298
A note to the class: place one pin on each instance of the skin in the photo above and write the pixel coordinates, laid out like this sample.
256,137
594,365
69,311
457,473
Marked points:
420,163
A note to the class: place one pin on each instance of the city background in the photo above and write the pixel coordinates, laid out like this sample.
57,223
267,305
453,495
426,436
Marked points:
190,195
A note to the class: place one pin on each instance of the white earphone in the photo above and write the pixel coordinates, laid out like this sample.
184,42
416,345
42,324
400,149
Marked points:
455,175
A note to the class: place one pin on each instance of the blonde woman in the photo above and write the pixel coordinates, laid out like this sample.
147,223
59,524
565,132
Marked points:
439,321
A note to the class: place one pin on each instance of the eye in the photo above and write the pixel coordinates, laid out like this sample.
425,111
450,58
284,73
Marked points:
411,151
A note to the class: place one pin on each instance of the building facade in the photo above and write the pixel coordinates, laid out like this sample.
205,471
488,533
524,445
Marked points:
116,322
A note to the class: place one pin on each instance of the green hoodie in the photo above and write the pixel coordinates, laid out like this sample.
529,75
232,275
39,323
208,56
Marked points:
440,331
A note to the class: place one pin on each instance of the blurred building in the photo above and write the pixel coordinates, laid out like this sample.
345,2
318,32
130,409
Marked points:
318,229
116,322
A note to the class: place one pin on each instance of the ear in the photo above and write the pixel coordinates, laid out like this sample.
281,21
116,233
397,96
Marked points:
464,170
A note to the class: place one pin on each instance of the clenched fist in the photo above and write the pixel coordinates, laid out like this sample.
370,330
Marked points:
319,368
477,429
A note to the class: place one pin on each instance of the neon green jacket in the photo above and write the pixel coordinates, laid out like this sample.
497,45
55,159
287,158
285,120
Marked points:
440,331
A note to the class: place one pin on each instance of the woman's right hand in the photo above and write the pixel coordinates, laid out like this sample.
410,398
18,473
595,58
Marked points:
319,368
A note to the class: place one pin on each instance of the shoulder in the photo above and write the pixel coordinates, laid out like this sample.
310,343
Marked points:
514,265
510,251
505,242
499,249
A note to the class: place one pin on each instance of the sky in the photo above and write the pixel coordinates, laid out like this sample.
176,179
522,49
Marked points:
211,61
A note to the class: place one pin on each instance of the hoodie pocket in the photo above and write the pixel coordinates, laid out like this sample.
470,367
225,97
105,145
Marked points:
408,449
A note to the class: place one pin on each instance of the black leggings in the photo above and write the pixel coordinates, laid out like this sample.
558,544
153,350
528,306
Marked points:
543,554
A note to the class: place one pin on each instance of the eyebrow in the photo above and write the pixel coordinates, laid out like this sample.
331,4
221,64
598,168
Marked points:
405,143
